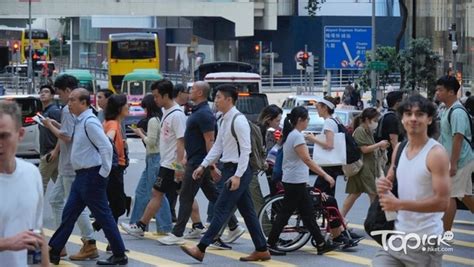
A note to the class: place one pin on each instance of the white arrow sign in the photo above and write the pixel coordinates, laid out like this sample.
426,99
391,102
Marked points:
349,56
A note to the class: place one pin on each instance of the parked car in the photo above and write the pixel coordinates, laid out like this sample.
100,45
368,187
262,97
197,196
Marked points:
347,116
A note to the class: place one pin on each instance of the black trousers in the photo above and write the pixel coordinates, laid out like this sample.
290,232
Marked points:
189,189
115,195
296,198
323,185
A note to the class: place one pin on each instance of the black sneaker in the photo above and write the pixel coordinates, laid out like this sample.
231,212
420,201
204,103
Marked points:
220,245
343,241
326,247
353,235
274,251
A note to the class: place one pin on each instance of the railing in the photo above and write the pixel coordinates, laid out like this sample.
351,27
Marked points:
14,85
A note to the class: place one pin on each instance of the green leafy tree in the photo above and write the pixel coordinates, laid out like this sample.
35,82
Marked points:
382,53
313,6
419,62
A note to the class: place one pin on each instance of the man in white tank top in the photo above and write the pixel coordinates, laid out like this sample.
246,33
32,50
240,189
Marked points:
423,192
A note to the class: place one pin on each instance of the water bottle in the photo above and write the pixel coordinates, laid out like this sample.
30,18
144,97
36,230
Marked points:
34,256
390,215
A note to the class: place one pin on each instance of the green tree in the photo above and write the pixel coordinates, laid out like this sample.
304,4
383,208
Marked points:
313,6
419,62
382,53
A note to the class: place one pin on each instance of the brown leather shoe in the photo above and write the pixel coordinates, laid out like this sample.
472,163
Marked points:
88,251
257,256
193,252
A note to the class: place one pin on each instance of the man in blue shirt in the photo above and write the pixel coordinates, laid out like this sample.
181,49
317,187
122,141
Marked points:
91,159
456,137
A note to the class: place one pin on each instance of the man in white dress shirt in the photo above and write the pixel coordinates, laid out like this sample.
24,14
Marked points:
237,175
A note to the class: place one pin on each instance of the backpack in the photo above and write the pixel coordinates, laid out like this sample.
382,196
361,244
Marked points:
257,155
470,122
115,158
378,131
353,154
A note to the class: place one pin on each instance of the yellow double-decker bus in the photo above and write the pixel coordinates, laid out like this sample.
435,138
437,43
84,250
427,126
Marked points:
19,37
129,51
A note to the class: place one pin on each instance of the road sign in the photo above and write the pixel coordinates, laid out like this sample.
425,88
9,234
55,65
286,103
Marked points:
345,46
378,65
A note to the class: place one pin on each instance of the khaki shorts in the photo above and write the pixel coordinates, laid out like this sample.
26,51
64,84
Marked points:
48,170
461,183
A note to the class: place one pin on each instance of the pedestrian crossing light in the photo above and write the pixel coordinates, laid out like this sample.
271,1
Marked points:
304,60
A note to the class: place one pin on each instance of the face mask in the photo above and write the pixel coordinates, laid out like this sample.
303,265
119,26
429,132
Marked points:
373,125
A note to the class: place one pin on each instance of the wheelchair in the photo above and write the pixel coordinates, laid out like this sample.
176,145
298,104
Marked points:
295,235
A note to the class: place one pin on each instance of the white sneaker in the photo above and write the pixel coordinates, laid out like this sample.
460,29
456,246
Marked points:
171,240
194,233
132,229
234,235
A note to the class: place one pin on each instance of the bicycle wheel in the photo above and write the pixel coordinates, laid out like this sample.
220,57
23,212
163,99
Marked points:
294,234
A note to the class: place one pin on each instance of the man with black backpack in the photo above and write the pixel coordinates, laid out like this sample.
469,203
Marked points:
456,137
389,127
422,184
237,174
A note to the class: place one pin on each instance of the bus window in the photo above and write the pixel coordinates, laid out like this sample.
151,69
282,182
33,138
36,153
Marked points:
134,49
136,88
87,85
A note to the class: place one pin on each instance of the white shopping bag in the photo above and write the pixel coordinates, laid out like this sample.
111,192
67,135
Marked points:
333,157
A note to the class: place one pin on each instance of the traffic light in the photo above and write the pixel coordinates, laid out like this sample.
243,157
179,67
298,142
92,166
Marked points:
304,60
257,48
16,47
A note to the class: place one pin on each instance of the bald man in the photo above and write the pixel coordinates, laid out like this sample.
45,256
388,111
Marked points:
91,159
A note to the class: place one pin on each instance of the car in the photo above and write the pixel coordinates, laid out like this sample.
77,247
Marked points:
135,114
29,147
292,101
347,116
251,104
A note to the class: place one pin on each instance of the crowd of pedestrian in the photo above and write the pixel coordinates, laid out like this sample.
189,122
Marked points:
191,147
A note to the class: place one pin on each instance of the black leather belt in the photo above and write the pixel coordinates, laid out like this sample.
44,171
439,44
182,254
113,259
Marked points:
230,165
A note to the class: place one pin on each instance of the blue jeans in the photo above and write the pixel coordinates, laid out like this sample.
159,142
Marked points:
88,189
225,204
143,195
58,197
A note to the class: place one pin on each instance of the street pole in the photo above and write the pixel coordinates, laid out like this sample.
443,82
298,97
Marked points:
454,38
413,35
272,69
260,58
31,81
61,53
305,72
70,42
372,72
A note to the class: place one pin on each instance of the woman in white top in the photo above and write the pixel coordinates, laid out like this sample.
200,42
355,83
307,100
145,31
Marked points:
296,165
151,139
326,110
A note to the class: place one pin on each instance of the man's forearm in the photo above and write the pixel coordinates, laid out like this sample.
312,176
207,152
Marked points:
180,150
4,244
431,204
456,150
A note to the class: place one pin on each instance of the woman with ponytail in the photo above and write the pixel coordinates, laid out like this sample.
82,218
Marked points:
296,165
364,181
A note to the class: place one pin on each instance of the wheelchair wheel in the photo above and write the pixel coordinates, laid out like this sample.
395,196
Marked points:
294,234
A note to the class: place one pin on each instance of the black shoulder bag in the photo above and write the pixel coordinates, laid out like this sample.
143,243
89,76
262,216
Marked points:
376,220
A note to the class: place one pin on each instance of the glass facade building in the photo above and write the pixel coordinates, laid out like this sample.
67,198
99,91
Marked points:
433,20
